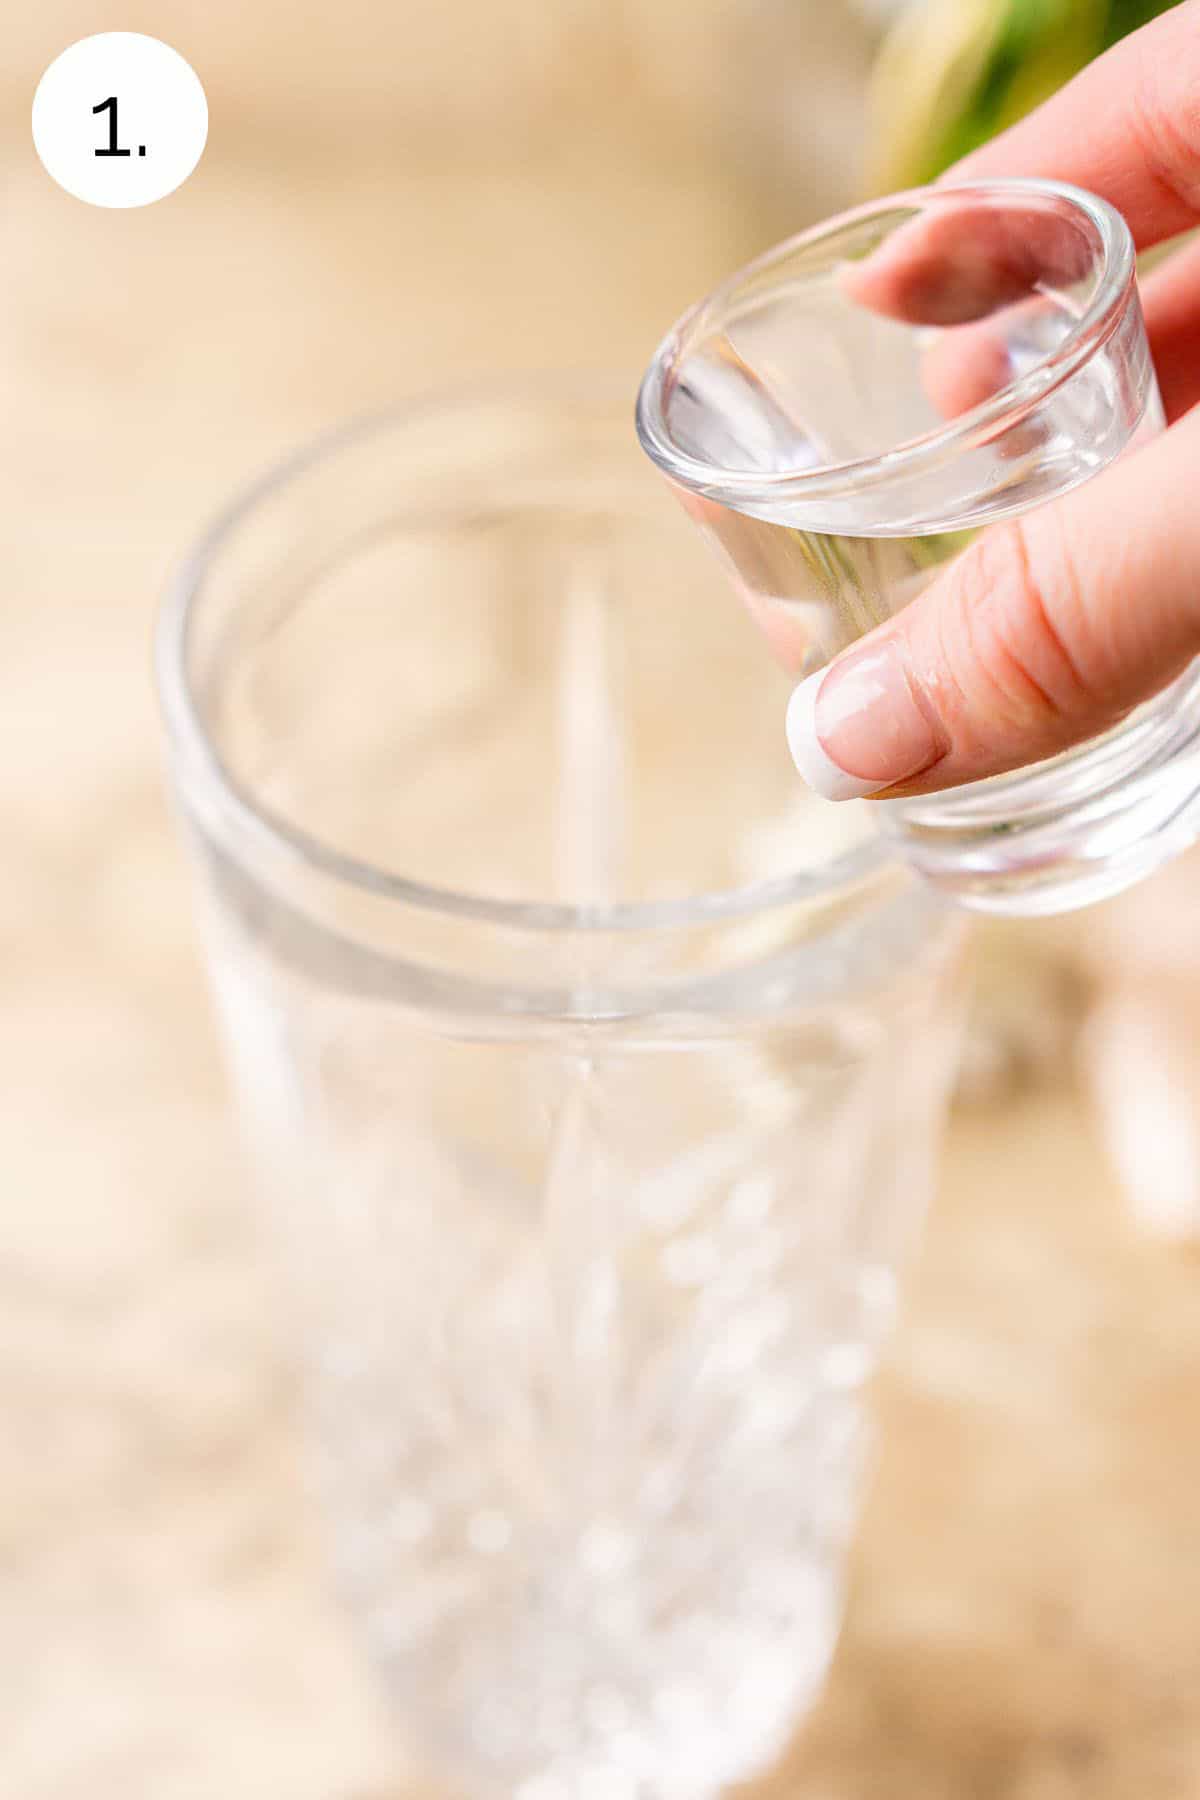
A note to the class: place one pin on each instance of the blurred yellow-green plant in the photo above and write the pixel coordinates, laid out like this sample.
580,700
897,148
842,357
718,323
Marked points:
952,73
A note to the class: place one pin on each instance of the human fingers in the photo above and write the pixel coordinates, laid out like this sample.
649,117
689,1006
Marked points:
1043,633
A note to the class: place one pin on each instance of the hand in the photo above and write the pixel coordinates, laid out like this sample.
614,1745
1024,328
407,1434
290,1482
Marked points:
1052,626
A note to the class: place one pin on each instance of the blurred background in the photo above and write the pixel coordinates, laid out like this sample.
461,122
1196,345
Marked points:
397,196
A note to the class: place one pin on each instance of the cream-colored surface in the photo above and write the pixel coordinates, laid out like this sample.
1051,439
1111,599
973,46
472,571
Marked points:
1025,1615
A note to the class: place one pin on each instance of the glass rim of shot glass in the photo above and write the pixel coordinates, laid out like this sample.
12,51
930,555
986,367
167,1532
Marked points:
1056,834
834,899
1113,276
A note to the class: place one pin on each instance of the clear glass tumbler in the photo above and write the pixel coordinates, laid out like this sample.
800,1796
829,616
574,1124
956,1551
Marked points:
595,1081
842,416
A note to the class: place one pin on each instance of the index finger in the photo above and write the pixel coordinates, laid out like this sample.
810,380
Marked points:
963,257
1004,276
1128,128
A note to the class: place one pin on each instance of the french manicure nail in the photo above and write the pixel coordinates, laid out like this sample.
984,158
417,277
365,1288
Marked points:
857,727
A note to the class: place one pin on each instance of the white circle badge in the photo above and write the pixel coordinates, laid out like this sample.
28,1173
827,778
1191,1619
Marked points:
120,119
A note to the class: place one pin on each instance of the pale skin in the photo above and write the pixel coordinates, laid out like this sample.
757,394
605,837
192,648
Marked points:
1051,627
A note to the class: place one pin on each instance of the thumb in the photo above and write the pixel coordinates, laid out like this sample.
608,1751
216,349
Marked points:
1046,631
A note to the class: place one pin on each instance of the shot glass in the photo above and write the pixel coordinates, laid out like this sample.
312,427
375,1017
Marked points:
594,1077
842,416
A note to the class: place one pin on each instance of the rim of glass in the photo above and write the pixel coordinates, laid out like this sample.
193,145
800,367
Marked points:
277,838
1010,403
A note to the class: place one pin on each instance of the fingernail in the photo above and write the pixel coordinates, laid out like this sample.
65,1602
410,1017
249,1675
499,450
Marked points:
857,727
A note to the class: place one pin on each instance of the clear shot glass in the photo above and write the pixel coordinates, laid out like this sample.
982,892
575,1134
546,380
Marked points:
843,415
596,1083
